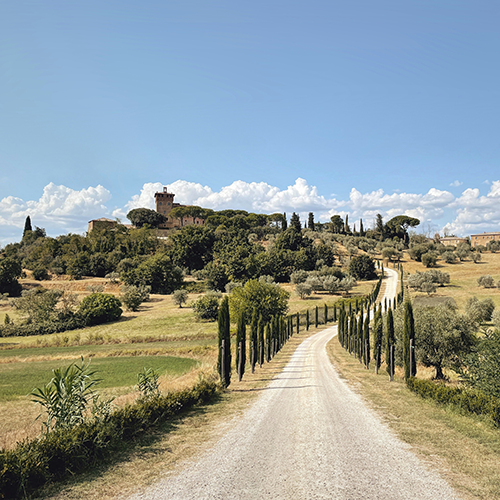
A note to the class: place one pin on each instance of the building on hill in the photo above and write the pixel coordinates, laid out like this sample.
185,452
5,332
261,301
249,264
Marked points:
164,202
102,223
483,238
452,241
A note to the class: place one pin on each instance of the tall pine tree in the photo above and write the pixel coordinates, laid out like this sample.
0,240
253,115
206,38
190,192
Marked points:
27,226
310,221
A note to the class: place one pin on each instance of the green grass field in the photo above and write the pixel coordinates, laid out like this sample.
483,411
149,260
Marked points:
19,379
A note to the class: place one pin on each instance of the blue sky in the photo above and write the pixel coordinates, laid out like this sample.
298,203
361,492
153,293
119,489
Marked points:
352,107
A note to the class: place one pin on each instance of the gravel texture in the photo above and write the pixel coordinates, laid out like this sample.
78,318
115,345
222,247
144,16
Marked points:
308,436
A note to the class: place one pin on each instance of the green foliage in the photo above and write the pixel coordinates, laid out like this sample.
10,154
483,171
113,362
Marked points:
390,341
449,257
100,308
65,452
10,271
180,297
133,296
479,311
269,299
408,335
147,383
40,273
241,343
38,305
144,216
398,227
377,339
443,337
224,344
67,396
207,306
362,267
216,276
486,280
192,247
418,280
303,290
429,259
158,272
471,401
27,226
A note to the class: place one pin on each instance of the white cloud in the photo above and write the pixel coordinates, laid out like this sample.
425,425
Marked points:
61,209
456,184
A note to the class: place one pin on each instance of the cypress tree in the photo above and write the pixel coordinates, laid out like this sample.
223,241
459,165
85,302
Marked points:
310,221
389,343
260,331
377,339
285,223
254,339
325,314
355,335
27,226
408,335
360,336
298,322
361,229
346,331
241,345
224,339
366,340
316,317
267,331
351,333
340,328
307,320
334,313
413,366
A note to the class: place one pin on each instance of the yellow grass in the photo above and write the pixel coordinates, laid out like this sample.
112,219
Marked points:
463,278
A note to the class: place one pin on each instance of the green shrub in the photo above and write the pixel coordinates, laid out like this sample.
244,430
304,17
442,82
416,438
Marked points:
100,308
207,307
133,296
65,452
40,273
471,401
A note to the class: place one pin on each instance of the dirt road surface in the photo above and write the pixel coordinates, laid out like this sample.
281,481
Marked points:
308,436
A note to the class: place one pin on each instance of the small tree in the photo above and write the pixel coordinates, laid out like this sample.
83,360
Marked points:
428,287
180,297
133,296
207,307
476,257
486,280
429,259
144,216
362,267
303,290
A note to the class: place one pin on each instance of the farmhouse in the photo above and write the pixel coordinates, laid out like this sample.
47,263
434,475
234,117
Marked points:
452,241
483,238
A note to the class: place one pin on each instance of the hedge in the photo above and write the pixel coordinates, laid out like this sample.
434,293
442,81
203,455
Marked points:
58,454
47,328
469,400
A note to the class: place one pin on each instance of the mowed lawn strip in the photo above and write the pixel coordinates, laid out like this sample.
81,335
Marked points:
19,379
465,449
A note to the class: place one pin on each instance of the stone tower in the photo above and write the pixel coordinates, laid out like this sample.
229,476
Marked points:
164,202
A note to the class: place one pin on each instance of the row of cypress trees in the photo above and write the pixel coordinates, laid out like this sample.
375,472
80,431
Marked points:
266,338
354,335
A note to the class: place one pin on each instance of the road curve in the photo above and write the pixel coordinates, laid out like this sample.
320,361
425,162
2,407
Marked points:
308,436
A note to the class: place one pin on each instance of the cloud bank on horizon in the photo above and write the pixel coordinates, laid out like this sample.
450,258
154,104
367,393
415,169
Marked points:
61,209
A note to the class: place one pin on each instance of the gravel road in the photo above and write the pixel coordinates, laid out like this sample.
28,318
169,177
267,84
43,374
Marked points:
308,436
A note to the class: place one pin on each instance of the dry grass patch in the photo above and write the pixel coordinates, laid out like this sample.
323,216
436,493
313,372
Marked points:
463,278
464,449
